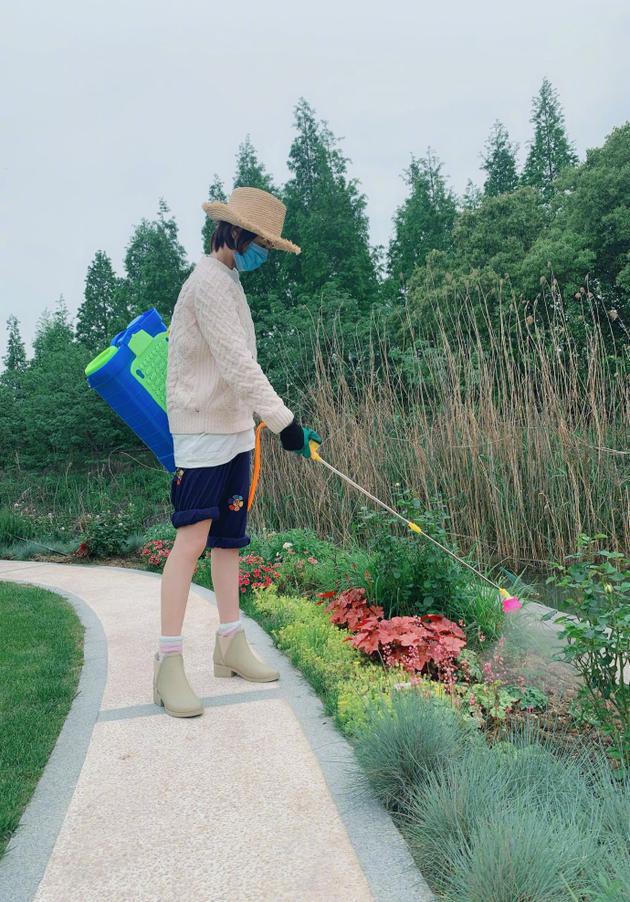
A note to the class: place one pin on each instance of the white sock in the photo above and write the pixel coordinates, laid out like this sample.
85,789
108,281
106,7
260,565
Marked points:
225,628
170,645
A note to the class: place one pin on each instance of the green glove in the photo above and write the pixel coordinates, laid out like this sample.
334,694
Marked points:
309,434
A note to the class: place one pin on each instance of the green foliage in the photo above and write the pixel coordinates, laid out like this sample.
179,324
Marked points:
15,355
48,414
423,223
494,699
14,526
295,549
550,151
531,697
103,312
106,533
155,266
164,531
496,236
598,641
408,574
597,209
325,217
405,574
499,162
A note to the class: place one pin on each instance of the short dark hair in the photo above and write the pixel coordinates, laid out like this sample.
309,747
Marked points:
223,235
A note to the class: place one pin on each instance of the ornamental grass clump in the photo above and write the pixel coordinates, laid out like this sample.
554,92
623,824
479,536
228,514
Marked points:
517,821
402,744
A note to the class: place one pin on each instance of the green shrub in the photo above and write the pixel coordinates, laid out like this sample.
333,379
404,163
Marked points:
336,568
409,575
268,543
598,642
106,533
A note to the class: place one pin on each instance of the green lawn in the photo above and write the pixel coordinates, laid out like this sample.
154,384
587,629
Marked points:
41,656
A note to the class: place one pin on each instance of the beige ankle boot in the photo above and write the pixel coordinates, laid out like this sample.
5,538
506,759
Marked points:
171,688
233,654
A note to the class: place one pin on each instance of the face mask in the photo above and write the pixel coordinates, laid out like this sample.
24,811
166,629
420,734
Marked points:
252,258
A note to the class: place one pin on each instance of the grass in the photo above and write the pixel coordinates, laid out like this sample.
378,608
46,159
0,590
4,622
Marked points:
520,438
53,506
512,822
41,656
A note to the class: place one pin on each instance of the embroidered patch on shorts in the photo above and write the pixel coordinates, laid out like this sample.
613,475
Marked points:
178,475
235,503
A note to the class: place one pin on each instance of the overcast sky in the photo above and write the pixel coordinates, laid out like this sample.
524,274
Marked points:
108,105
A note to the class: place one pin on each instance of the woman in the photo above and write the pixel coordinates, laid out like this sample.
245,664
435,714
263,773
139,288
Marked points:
214,385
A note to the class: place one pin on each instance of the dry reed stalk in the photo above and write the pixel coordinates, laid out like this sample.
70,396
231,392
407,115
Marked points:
522,439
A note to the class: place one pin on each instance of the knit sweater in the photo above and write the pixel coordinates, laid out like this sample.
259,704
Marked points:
214,382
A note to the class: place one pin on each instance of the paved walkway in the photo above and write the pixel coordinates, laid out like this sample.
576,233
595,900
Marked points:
257,799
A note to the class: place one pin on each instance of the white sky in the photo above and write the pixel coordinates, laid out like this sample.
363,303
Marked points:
106,106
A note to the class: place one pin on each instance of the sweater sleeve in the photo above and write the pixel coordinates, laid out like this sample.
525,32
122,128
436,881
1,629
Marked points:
219,323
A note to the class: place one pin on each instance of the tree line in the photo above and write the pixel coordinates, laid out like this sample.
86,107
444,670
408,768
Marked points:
556,232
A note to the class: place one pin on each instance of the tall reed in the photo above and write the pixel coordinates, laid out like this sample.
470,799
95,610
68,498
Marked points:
520,432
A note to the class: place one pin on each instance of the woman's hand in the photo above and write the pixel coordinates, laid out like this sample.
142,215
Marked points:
296,438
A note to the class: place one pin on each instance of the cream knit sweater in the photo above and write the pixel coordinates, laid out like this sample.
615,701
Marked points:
213,381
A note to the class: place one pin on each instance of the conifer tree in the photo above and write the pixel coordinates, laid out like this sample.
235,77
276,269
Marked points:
550,151
251,173
156,265
325,216
472,196
101,314
424,222
15,356
499,162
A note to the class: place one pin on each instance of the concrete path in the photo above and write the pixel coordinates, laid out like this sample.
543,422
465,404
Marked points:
257,799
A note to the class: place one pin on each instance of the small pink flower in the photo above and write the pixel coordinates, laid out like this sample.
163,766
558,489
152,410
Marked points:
312,560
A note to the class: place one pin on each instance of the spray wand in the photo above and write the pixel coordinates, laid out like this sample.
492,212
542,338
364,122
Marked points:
510,602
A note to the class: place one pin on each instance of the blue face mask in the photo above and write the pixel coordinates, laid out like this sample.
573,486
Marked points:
253,257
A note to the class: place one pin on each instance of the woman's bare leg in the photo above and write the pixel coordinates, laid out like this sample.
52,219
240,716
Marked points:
224,564
177,575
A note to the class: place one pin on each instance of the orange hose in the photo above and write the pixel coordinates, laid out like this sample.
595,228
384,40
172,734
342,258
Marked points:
257,458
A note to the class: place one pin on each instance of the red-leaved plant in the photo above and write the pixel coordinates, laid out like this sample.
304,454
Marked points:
429,643
350,608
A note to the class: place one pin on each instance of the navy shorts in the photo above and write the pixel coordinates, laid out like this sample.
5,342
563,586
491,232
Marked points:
218,493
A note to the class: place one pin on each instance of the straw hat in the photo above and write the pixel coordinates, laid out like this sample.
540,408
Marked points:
257,211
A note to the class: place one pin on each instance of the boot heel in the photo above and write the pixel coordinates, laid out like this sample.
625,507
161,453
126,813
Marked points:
220,670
